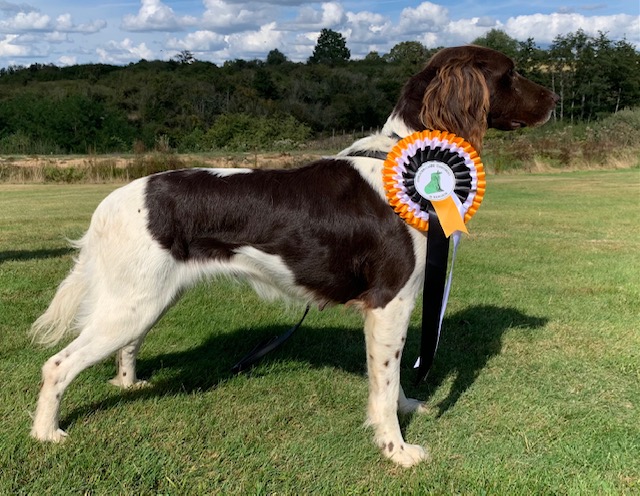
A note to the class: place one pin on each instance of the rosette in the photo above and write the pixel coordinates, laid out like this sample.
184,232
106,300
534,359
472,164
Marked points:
435,181
434,170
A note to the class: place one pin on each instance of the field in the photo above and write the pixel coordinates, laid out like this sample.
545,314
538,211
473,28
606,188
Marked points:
535,389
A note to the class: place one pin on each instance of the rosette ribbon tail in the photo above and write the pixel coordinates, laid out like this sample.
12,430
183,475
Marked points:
435,181
433,295
449,216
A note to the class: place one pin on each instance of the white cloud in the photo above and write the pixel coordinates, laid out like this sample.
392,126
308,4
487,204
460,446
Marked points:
56,37
33,21
425,18
156,16
461,31
258,42
14,7
486,22
217,47
200,41
125,51
26,21
67,60
367,27
330,15
89,27
64,22
544,28
10,49
225,18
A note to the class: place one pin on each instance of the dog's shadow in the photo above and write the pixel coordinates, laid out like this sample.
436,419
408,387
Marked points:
470,338
24,255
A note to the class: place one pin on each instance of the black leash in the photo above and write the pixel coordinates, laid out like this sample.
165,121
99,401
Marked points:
265,347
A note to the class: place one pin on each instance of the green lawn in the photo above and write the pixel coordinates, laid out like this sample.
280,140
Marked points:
535,389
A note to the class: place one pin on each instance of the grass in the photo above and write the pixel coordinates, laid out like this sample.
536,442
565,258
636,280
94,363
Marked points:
535,389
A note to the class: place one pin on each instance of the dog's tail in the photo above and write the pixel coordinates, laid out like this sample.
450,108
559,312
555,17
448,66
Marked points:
59,319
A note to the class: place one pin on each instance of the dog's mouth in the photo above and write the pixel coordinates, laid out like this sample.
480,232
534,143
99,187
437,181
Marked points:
505,124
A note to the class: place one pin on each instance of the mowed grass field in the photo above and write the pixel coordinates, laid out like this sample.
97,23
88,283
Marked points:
535,389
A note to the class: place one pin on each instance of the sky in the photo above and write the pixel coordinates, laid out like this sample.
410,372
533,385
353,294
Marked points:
68,32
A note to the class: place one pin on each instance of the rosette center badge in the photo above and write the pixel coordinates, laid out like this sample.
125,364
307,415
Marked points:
435,181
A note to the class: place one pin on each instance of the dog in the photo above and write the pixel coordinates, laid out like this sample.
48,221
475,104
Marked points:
323,233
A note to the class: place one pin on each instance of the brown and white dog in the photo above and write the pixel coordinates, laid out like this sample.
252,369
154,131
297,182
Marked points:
323,233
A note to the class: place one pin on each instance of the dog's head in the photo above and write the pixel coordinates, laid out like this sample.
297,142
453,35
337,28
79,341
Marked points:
465,90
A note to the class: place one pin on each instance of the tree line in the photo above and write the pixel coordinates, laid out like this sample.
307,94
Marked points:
187,104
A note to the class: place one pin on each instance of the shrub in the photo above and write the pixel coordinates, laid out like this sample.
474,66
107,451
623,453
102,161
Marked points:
63,174
22,143
597,144
242,132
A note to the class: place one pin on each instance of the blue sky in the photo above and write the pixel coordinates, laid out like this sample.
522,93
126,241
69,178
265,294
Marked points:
121,31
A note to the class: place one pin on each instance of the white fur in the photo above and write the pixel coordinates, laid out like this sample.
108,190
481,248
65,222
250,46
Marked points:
229,171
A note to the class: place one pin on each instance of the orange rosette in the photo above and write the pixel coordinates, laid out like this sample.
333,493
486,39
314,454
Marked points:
434,170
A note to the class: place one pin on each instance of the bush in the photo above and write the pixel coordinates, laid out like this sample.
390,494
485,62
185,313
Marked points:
63,175
603,143
242,132
621,129
21,143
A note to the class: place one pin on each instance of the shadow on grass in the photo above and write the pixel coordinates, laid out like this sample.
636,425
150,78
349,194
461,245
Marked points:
470,338
6,256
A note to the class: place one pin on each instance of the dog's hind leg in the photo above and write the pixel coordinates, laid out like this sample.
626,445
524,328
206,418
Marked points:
105,331
385,335
409,405
57,374
126,366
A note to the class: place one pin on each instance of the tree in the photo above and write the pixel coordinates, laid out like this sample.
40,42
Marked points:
264,85
184,57
409,57
411,53
373,57
276,57
531,61
331,49
501,41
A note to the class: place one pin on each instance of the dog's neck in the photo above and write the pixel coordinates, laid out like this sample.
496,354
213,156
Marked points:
379,144
397,126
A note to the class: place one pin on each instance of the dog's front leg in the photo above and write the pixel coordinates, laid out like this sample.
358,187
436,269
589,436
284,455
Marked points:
385,335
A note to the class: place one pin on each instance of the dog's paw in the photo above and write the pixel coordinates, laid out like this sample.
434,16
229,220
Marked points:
405,454
119,382
52,436
409,405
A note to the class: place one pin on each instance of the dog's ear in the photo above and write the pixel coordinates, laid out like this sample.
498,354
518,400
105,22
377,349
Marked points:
456,100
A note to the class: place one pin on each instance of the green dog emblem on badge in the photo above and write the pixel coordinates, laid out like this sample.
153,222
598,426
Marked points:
433,186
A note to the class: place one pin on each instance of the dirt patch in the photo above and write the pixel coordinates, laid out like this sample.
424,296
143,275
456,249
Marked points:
251,160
